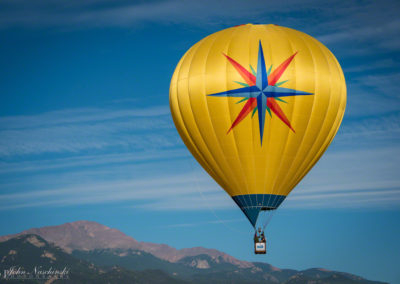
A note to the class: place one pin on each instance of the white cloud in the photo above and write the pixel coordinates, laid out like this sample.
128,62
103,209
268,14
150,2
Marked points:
364,31
382,84
175,187
99,13
356,28
366,100
122,13
369,130
79,116
101,159
362,176
216,222
87,129
349,179
381,64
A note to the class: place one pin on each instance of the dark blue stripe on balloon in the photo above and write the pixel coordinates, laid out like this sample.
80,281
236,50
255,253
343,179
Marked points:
251,204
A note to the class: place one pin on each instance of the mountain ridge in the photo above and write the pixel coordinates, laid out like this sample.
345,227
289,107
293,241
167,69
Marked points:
31,259
90,235
102,246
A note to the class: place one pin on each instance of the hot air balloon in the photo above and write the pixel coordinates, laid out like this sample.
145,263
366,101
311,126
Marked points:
257,106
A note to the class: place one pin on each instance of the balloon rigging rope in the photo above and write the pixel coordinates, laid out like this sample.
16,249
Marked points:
209,207
197,182
269,219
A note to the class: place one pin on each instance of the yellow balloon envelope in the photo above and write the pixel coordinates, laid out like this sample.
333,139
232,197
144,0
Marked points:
257,106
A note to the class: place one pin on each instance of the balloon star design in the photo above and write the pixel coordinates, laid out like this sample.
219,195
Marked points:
261,91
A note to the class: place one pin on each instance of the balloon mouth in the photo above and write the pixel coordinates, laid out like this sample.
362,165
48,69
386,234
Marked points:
253,204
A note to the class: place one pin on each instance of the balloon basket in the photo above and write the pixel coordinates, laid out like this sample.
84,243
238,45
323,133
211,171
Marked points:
260,248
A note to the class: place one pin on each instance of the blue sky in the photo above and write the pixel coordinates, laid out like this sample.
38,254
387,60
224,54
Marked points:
86,133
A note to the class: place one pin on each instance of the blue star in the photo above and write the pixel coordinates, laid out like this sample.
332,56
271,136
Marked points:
260,91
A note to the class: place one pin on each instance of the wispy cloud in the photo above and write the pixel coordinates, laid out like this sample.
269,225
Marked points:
362,177
351,23
120,13
86,130
82,161
102,13
369,130
151,192
368,31
363,32
195,224
382,84
378,65
372,98
79,116
350,179
352,28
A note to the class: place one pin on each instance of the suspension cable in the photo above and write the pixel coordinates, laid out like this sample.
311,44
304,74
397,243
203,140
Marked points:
207,204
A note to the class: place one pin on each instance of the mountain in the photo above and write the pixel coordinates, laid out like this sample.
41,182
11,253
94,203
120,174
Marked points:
30,255
87,236
81,235
91,249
